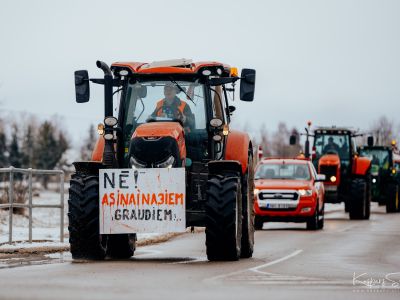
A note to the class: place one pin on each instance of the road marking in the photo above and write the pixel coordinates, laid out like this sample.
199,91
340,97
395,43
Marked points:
255,269
274,262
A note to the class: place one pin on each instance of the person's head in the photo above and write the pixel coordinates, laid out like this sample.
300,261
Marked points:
170,91
330,140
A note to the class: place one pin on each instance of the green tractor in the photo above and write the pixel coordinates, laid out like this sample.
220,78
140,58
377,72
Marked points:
385,178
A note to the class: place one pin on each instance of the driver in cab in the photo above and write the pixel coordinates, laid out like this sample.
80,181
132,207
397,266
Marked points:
331,146
173,107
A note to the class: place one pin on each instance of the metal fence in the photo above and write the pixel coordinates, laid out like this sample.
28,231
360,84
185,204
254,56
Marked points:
10,205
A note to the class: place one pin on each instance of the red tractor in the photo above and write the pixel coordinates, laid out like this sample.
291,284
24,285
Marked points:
166,161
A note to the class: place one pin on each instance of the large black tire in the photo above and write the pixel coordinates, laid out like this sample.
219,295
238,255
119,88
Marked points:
247,247
392,198
223,217
360,200
83,214
121,246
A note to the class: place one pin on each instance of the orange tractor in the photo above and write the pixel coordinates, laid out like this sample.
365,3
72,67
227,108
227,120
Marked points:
167,161
347,174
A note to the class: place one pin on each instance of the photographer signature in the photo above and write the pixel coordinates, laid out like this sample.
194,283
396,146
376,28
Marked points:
390,280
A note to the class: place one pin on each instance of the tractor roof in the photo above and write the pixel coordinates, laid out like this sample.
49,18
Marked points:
178,66
334,129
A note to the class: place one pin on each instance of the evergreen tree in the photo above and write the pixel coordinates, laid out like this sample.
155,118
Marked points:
27,148
3,150
14,158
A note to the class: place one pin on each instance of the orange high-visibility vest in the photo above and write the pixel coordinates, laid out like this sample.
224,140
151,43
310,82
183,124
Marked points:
160,103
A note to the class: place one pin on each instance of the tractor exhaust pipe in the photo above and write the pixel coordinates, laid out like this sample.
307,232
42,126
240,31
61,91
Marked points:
108,154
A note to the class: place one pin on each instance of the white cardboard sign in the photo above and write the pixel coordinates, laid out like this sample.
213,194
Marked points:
142,200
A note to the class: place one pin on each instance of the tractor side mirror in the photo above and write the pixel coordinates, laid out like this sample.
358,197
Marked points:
82,90
141,90
292,140
231,109
247,84
370,141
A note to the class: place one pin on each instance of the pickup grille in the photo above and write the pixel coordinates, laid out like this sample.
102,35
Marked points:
277,195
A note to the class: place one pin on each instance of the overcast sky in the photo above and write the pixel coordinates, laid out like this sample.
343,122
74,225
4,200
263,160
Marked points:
334,62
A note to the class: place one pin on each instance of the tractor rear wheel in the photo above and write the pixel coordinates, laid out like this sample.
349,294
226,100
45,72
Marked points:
360,200
223,217
247,247
83,214
121,246
392,198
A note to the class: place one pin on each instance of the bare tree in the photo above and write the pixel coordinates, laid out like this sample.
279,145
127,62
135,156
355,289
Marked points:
383,131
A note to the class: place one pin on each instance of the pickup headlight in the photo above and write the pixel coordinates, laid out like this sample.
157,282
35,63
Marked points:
135,164
305,192
168,163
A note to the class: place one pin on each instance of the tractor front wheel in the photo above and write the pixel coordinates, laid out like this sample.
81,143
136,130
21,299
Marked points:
121,246
223,217
392,199
360,200
83,214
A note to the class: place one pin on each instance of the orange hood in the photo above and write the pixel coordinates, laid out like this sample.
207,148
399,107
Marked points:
282,184
329,160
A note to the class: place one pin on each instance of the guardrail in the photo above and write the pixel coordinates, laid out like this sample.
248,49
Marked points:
10,205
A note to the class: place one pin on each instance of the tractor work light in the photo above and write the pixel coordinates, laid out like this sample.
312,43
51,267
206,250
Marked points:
111,121
206,72
225,131
234,72
108,136
256,192
217,138
333,178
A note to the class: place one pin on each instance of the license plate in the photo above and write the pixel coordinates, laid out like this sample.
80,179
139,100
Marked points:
277,205
142,200
331,188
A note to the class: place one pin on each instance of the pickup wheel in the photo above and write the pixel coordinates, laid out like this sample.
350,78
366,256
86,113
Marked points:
360,200
83,214
321,217
258,224
313,221
247,247
121,246
392,199
223,217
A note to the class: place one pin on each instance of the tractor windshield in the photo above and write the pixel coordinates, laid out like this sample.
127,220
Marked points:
333,144
380,158
160,101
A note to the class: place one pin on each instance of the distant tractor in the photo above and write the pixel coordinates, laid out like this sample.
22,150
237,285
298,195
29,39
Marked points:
166,161
385,177
348,176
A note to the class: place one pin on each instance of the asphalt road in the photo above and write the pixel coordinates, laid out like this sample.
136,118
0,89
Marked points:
348,259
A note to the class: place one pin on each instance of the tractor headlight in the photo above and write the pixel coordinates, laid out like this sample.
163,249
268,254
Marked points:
168,163
373,180
135,164
305,192
333,178
111,121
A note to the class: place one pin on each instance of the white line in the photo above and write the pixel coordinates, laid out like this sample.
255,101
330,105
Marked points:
255,269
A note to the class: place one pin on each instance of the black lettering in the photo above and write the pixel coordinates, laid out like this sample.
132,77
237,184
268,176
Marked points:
148,214
141,214
159,215
133,215
168,213
111,180
125,213
117,214
122,179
